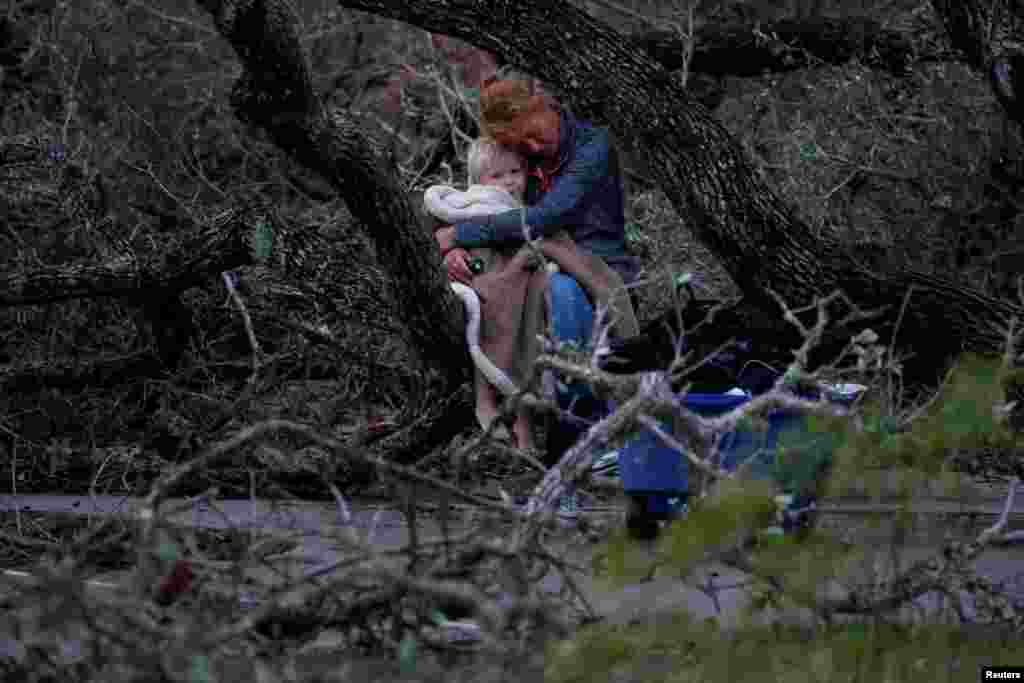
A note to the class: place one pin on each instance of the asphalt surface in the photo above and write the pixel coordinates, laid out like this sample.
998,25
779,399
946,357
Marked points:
312,525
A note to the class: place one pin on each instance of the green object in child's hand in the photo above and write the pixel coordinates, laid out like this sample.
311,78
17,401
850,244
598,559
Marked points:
476,266
263,240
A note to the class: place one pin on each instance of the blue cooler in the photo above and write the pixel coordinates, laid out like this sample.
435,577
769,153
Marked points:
806,455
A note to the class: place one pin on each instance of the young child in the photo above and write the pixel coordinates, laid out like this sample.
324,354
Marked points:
497,182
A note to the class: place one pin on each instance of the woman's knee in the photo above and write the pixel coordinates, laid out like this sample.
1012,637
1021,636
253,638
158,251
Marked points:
572,313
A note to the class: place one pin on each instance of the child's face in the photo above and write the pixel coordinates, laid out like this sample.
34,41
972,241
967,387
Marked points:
506,171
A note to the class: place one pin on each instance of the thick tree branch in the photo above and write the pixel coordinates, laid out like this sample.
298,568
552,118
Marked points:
736,50
222,245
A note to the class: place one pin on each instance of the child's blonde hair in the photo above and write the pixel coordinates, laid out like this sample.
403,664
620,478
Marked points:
482,153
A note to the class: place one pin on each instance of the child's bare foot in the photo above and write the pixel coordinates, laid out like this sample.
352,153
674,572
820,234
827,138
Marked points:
487,409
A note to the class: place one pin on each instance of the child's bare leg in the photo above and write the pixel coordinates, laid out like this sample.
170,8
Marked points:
486,401
488,406
523,430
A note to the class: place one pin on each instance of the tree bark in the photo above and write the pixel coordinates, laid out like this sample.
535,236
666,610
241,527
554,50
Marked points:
983,30
756,235
75,373
737,50
990,34
743,49
207,251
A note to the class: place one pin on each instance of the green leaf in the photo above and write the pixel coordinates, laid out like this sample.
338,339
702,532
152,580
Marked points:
167,552
856,631
889,424
166,549
683,279
263,240
407,651
200,672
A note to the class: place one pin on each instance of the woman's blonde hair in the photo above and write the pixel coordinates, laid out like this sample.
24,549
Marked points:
482,153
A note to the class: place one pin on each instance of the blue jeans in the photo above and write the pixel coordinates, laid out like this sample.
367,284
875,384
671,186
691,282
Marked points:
572,318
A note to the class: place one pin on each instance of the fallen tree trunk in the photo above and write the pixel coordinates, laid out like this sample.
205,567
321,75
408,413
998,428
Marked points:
220,246
99,372
114,370
156,280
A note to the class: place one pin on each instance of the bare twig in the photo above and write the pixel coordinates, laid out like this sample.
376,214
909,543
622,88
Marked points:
250,333
996,531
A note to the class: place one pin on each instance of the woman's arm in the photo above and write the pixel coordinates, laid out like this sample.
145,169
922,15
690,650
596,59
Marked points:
557,209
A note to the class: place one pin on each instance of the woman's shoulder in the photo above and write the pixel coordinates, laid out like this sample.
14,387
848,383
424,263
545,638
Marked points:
588,132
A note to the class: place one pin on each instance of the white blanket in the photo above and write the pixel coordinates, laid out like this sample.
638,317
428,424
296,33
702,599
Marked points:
451,206
495,375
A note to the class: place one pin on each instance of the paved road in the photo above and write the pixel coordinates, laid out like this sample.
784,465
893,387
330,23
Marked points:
311,524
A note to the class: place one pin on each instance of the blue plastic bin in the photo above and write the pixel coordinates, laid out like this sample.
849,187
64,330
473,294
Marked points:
650,468
647,465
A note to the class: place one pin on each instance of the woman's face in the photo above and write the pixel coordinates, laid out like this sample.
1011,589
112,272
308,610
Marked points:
506,170
538,138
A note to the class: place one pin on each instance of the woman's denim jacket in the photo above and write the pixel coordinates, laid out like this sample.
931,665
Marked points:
585,199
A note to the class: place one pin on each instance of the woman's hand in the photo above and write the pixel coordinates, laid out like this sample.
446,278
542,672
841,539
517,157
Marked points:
456,262
456,259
